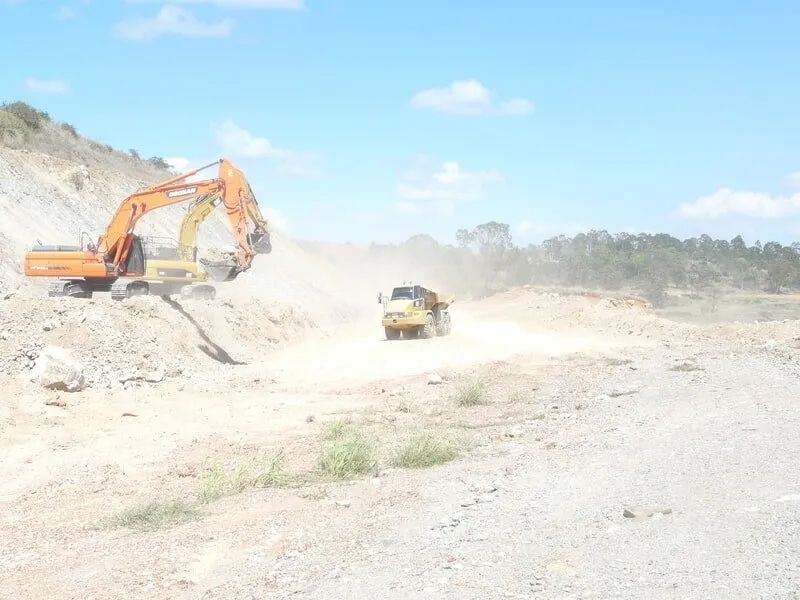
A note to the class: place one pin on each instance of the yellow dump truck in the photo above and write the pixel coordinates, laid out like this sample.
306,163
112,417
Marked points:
415,311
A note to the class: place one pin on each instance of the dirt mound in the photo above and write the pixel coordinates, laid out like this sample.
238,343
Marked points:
52,200
145,339
559,310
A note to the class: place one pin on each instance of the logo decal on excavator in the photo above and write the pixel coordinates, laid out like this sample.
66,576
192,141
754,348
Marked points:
183,192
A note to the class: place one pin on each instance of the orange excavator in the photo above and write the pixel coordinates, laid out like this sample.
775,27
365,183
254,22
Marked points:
118,259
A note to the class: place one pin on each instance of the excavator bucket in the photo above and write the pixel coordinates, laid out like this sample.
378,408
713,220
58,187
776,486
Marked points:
221,270
261,242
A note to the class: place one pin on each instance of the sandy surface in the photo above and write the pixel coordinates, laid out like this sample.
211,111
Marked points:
591,408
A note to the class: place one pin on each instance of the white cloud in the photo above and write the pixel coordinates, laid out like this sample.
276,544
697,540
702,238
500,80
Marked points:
172,20
468,97
47,86
441,185
277,220
727,202
516,106
236,141
300,164
65,13
234,4
793,179
179,163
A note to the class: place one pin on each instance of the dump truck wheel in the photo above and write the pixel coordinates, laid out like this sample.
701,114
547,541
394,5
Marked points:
448,324
429,329
441,327
392,334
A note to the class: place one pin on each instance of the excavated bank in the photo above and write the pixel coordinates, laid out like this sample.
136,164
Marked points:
145,339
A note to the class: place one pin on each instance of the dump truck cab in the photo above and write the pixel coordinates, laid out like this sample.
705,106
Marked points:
414,311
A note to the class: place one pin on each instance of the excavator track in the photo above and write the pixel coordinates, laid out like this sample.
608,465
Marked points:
124,288
69,288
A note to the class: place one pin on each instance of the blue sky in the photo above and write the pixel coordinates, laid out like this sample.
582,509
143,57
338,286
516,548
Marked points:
360,120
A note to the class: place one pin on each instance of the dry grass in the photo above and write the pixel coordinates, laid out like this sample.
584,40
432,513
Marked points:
471,393
156,515
259,472
346,450
426,450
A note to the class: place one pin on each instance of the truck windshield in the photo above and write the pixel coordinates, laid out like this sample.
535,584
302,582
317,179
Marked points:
403,293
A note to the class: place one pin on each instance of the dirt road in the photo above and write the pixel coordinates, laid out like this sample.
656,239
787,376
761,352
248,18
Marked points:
592,407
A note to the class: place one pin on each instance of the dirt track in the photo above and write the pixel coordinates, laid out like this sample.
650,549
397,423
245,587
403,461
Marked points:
586,417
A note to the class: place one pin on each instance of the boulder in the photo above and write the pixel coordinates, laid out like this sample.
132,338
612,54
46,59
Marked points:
643,512
435,379
55,369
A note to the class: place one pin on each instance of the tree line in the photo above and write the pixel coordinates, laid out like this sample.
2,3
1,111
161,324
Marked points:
485,260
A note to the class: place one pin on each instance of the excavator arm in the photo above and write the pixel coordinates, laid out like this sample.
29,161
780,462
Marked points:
197,213
241,209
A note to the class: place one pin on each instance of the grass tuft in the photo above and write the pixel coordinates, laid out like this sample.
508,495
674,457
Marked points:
426,450
156,515
333,430
471,393
346,450
270,472
260,472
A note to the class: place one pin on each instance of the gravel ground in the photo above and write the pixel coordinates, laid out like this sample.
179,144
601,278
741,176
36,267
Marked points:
716,447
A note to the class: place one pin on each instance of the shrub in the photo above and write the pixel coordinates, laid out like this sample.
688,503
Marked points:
33,118
11,126
426,450
77,180
134,154
70,129
159,163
